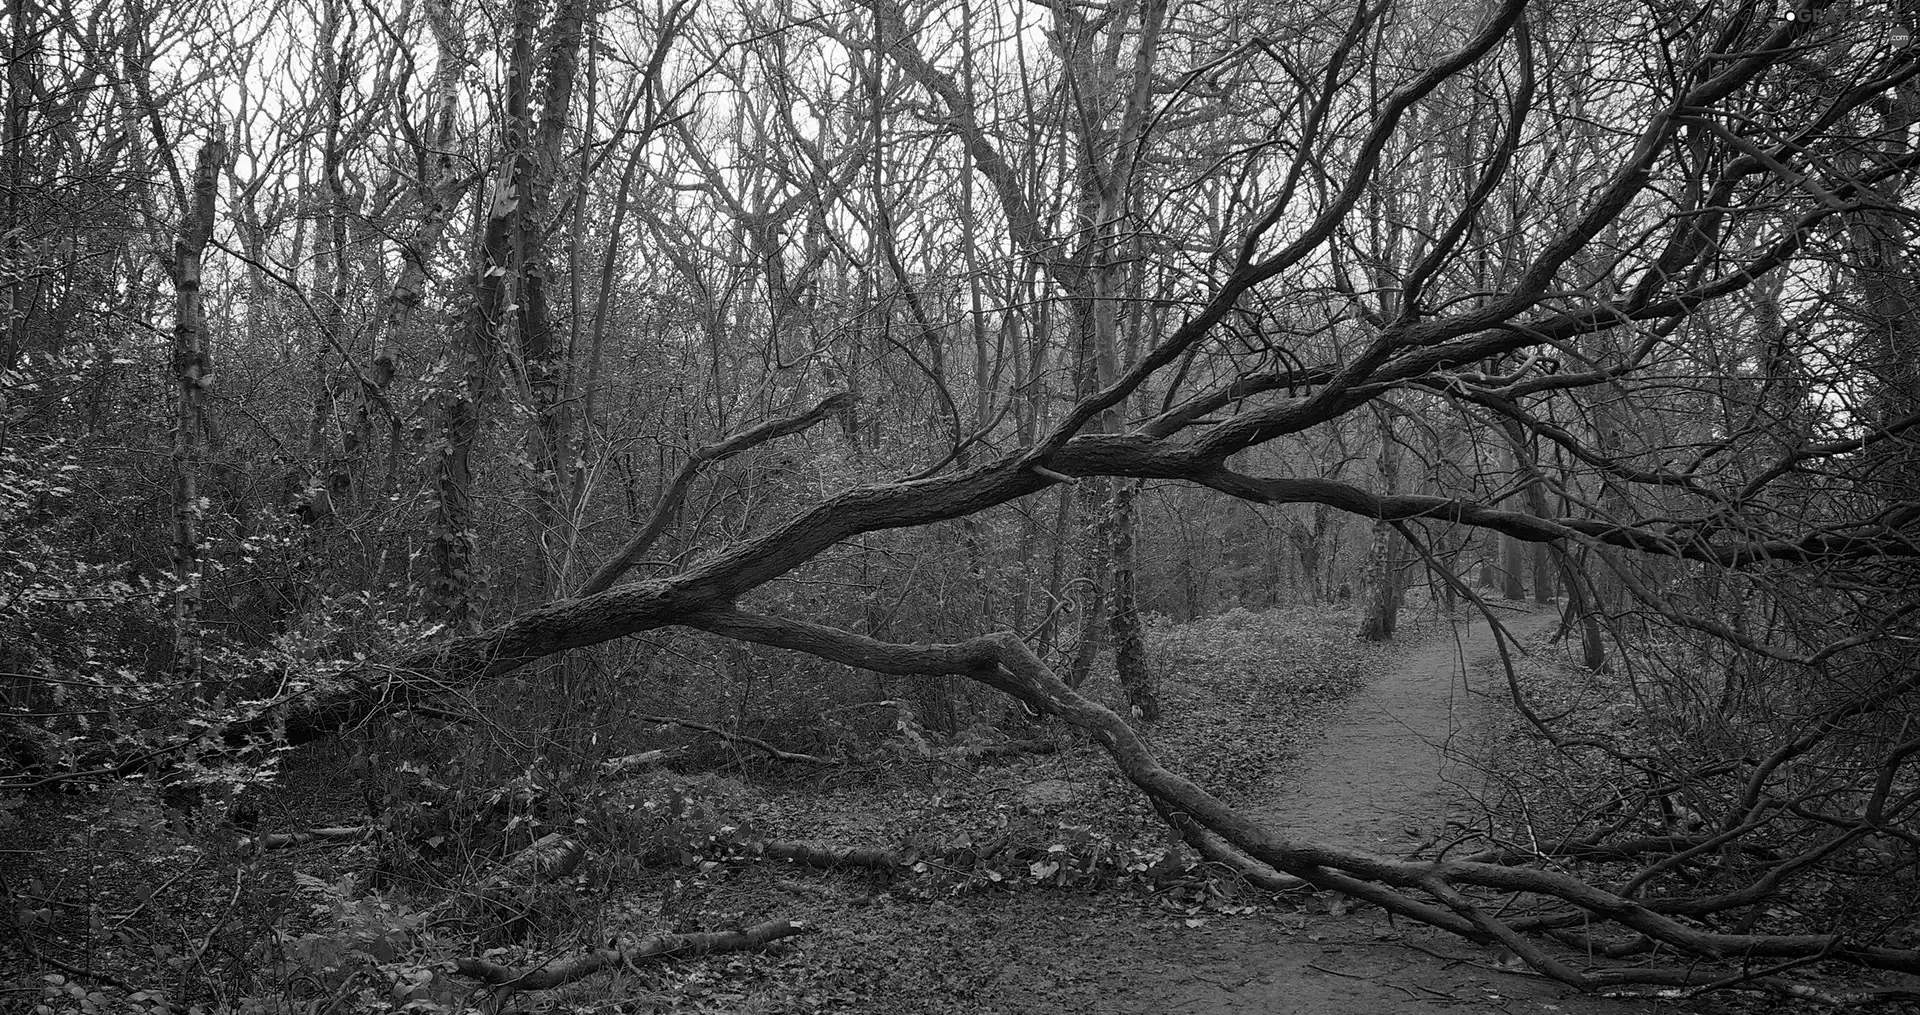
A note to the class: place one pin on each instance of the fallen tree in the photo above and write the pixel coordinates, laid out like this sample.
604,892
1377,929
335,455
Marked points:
1576,340
505,895
307,836
625,951
768,749
1428,892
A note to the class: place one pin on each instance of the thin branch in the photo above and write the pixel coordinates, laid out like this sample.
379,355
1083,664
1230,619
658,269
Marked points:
739,738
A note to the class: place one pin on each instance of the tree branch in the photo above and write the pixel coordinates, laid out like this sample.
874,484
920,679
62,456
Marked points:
667,507
774,752
1004,662
624,951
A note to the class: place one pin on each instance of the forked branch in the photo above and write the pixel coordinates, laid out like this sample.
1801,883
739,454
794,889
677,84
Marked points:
667,507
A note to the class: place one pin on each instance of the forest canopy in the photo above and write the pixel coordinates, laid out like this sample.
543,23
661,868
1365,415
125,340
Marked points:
358,354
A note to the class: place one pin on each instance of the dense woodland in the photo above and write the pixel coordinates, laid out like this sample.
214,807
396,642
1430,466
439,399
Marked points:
558,364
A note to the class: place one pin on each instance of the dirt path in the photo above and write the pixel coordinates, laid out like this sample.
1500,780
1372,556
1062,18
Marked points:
1380,781
1388,772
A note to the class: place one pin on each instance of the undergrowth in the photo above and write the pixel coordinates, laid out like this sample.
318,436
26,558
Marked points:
1629,766
370,926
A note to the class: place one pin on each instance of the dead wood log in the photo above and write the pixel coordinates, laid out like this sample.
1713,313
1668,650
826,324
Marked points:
627,764
506,894
1217,850
739,738
798,887
624,951
1010,748
549,858
281,840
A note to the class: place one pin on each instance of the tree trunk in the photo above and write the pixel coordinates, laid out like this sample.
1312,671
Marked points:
1131,663
332,276
1513,562
1097,542
1112,187
1381,616
1609,592
1593,646
538,156
1543,553
1381,598
192,376
1543,569
22,294
460,424
1513,559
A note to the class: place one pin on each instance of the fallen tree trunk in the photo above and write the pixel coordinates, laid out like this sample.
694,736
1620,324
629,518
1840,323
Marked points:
281,840
624,951
1219,851
506,895
548,858
739,738
1442,347
1009,749
627,764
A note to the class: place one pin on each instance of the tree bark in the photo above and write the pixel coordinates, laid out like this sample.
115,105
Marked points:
1380,619
538,154
192,378
1092,585
1380,598
1543,574
667,507
475,344
1132,665
1580,612
625,951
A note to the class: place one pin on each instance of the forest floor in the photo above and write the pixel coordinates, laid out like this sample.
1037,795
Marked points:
1384,771
1326,738
1389,776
